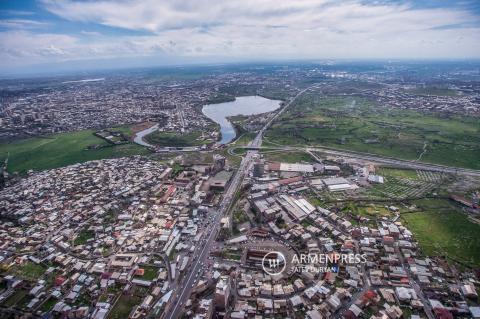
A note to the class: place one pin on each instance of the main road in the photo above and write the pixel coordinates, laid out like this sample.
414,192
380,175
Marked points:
202,251
374,158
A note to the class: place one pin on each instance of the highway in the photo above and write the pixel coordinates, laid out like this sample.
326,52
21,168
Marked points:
376,158
202,252
393,161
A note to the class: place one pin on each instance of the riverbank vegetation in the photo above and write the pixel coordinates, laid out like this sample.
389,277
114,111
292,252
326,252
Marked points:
176,139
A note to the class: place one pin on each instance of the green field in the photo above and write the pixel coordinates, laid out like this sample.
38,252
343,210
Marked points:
244,139
151,273
397,172
287,157
175,139
125,129
83,237
358,125
374,211
123,307
442,229
62,149
29,271
48,305
15,298
232,160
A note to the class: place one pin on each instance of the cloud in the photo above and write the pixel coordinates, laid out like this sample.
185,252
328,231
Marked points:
17,12
22,24
156,16
90,33
351,16
246,29
16,46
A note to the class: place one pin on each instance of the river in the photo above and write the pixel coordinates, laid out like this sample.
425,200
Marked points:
245,105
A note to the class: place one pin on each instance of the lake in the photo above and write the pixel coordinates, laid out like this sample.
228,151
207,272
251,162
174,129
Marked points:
245,105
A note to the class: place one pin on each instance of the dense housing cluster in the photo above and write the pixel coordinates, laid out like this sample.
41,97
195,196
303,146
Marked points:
290,220
395,280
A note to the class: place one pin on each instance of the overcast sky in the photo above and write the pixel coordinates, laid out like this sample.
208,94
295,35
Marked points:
59,33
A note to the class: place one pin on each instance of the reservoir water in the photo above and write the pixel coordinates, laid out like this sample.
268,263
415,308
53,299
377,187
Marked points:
245,105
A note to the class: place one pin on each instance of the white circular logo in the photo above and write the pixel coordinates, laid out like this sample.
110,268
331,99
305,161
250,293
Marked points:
274,263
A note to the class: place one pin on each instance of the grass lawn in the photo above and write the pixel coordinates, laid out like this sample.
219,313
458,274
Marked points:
125,129
288,157
233,256
15,298
306,223
123,307
239,151
151,273
232,159
176,139
28,270
48,305
442,229
358,125
244,139
61,150
83,237
374,211
397,172
370,211
239,217
315,201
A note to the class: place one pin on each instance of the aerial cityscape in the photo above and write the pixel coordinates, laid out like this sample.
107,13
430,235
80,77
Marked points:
211,184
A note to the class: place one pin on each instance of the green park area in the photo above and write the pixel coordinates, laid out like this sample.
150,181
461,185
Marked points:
442,229
175,139
359,125
287,157
62,149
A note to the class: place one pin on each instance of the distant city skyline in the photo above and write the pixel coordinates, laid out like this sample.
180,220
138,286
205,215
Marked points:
50,35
